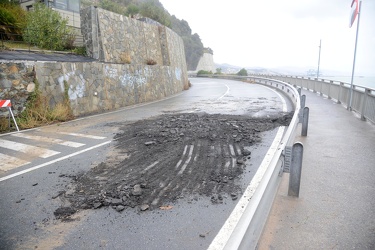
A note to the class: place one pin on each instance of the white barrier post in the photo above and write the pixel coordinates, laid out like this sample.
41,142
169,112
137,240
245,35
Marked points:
7,104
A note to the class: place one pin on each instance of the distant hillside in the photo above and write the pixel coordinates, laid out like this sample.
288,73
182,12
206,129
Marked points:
231,69
155,10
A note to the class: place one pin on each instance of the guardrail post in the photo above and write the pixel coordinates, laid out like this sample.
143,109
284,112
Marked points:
315,87
303,102
329,89
350,99
363,104
339,96
295,170
321,86
305,121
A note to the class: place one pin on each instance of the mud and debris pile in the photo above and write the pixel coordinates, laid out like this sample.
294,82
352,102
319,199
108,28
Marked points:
157,161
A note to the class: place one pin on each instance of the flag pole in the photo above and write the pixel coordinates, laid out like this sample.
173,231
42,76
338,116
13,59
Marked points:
355,54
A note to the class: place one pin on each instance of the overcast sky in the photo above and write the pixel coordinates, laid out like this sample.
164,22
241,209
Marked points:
276,33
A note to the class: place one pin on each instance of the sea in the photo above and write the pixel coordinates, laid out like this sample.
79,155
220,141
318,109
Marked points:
364,81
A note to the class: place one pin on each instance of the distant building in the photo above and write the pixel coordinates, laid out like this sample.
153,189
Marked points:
67,8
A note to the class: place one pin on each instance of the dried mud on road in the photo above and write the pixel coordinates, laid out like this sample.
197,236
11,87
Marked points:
157,161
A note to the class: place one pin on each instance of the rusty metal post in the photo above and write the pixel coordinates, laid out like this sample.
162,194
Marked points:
295,170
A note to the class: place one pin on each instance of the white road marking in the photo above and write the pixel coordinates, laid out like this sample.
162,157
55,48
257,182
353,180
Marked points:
28,149
84,135
51,140
225,92
9,162
52,162
225,232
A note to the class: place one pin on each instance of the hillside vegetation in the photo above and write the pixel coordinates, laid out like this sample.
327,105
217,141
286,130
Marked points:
154,9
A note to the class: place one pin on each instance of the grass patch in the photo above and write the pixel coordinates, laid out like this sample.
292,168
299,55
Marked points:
4,124
38,112
9,45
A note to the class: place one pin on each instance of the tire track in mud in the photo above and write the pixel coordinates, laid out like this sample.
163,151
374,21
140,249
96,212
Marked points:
157,161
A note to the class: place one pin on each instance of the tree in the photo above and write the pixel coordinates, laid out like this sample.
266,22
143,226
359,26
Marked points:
112,6
12,19
15,2
219,71
152,9
242,72
46,28
204,72
132,10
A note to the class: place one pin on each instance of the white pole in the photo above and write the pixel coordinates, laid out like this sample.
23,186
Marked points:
355,53
320,47
10,112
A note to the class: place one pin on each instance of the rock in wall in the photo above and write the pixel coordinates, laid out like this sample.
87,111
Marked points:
16,84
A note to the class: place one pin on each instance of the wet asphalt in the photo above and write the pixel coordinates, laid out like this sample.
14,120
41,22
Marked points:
29,200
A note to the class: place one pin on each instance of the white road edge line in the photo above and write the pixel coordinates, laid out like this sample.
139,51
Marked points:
225,92
51,162
227,229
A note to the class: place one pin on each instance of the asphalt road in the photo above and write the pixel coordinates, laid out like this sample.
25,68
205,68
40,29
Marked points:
31,178
23,55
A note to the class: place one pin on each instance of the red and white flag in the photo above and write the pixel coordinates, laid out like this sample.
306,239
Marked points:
354,12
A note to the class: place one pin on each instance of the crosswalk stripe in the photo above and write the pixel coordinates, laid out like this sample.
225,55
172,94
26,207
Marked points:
28,149
84,135
8,162
53,161
51,140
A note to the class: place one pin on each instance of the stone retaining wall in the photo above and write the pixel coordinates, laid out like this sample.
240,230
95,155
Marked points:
121,76
113,38
92,87
96,87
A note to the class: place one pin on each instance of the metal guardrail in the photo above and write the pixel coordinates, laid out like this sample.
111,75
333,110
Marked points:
363,97
249,229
